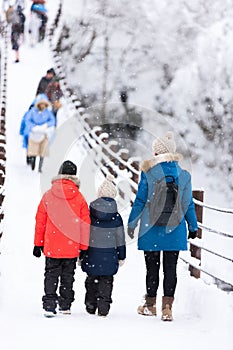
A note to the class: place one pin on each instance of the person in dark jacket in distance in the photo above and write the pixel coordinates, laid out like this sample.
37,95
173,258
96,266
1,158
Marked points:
44,81
62,230
15,19
154,239
106,249
54,94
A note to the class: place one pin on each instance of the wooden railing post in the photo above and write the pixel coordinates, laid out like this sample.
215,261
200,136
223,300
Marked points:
196,251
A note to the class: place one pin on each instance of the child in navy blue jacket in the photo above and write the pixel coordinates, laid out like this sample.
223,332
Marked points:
106,249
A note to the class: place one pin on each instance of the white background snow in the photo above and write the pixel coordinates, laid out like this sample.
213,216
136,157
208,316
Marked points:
203,314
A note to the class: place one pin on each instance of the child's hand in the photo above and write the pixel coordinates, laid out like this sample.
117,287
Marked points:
37,251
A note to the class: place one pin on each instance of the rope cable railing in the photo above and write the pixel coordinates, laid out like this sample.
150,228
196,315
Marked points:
222,210
105,157
217,279
204,227
110,152
211,251
195,259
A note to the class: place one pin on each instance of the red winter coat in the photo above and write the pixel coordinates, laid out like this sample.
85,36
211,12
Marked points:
62,219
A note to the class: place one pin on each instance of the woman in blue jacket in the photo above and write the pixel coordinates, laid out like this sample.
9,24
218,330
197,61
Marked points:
154,239
38,128
106,250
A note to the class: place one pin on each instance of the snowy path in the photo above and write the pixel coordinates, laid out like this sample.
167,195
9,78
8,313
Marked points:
202,314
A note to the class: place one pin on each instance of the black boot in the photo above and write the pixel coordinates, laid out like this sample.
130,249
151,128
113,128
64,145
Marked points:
40,164
28,160
33,162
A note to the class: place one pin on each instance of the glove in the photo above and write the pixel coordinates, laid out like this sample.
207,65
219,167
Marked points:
37,251
57,104
131,232
192,235
121,262
81,254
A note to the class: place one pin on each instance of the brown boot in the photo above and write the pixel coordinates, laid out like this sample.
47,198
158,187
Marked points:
149,307
167,308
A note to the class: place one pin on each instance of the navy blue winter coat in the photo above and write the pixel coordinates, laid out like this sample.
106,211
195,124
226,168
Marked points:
159,238
107,239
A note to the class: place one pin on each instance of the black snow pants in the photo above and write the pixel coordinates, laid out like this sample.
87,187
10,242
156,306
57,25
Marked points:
59,271
152,260
98,294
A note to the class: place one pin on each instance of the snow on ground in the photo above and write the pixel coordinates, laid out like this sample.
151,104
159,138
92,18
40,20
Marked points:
202,314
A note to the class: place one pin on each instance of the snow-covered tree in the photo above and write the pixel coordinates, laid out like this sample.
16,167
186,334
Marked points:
172,57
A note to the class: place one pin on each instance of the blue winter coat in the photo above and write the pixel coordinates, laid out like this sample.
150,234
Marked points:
34,117
107,239
22,124
159,238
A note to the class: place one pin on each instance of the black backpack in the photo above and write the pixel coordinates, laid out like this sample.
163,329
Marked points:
165,206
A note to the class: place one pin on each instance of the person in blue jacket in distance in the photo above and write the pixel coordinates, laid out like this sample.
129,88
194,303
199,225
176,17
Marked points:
38,130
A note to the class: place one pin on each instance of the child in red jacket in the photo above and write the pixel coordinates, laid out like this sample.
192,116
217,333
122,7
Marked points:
62,230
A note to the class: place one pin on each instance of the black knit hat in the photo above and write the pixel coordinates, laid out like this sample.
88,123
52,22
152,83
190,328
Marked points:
68,168
51,71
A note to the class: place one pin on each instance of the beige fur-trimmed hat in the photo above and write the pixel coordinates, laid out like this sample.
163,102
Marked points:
165,144
107,188
42,101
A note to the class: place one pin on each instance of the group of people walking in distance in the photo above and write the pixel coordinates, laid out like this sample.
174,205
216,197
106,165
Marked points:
69,232
40,120
16,19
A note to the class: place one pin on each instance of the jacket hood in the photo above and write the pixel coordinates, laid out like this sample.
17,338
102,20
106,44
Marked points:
103,208
65,186
165,157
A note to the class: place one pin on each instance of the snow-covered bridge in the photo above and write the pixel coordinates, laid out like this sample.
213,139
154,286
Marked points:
202,312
